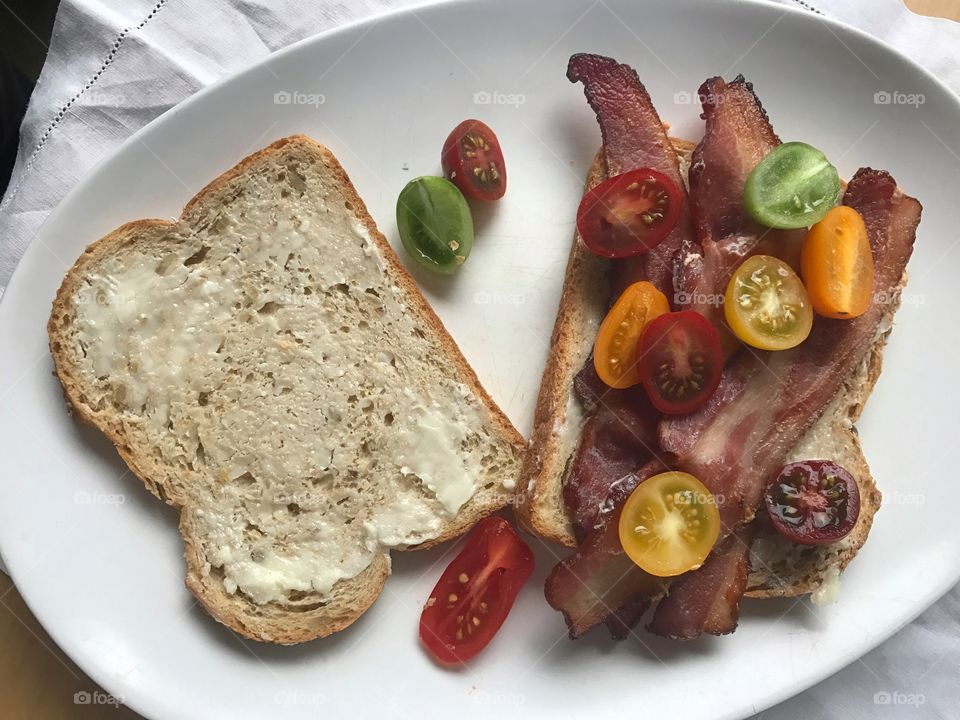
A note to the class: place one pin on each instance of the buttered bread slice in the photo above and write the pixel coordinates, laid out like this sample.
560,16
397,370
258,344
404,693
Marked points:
267,366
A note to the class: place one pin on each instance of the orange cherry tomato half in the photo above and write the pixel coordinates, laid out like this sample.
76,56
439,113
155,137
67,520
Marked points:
681,361
629,214
475,592
836,263
615,349
473,161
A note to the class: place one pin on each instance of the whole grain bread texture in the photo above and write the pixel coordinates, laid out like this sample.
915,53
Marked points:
266,365
778,568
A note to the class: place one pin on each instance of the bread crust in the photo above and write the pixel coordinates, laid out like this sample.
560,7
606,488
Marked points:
546,464
315,617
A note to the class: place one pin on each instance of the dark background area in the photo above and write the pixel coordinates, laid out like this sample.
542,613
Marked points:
25,27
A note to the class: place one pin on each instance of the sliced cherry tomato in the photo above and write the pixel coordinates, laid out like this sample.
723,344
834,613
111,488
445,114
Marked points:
435,224
473,161
794,186
475,592
669,524
766,304
813,502
837,264
681,361
615,349
629,214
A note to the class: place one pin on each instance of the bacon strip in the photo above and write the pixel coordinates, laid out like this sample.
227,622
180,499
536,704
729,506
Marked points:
738,135
633,137
765,404
599,584
766,401
708,600
607,454
619,437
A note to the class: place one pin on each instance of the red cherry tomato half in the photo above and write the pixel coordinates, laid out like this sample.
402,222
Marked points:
681,361
473,161
629,214
475,592
813,502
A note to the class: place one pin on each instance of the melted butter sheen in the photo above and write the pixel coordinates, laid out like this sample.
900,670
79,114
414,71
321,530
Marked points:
310,445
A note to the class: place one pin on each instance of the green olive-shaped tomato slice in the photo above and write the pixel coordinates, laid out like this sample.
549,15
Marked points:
435,225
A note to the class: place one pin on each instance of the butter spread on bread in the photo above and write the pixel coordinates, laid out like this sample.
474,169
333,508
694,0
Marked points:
266,365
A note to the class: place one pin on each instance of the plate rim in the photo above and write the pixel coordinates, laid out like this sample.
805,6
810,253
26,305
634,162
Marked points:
146,703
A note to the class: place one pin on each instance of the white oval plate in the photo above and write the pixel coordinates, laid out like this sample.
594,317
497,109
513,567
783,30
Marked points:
99,560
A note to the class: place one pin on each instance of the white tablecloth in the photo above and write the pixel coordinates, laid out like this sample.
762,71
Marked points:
114,65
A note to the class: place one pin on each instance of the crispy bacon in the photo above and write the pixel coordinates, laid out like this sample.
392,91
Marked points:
599,584
619,437
738,135
767,401
633,137
596,470
707,600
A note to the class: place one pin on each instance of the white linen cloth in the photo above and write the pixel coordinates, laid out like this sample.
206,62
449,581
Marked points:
115,65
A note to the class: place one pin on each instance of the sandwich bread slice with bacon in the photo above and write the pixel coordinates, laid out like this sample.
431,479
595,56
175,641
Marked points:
592,444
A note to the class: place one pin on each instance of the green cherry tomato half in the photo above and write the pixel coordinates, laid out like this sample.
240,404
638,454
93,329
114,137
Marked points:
435,223
794,186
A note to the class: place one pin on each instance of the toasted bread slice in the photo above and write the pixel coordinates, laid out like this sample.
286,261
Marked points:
266,365
778,568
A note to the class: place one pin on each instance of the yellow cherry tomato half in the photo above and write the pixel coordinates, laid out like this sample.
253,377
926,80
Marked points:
837,264
615,349
669,524
766,304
